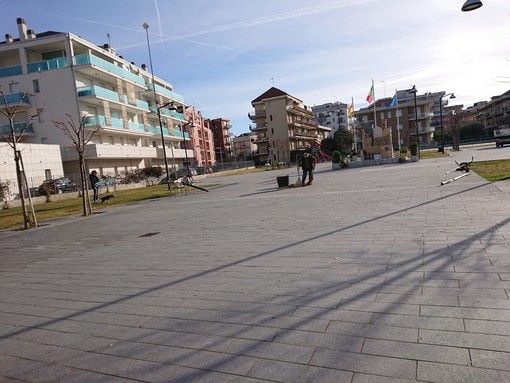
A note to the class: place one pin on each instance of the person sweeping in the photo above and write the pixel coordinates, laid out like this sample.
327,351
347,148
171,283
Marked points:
307,165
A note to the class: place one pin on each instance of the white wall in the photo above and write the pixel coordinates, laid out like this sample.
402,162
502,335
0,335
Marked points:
37,159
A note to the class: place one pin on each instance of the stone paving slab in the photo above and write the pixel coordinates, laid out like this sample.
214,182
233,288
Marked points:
375,274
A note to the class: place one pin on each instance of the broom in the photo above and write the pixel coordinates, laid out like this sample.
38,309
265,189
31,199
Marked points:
298,183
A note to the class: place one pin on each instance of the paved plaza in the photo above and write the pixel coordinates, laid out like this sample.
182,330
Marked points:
371,275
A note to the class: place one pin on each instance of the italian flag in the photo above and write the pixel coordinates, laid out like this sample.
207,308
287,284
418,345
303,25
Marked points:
370,96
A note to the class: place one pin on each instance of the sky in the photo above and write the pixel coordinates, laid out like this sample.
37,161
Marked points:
222,54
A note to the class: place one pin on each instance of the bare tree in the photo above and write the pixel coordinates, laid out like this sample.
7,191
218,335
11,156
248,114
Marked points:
12,133
79,136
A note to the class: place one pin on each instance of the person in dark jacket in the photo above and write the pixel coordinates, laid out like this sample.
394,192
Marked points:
307,165
94,181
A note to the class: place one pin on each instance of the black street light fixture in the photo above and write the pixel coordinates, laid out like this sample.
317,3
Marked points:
471,5
413,92
171,106
441,149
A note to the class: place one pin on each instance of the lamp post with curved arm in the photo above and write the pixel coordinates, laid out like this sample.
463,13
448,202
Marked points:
441,149
191,125
158,111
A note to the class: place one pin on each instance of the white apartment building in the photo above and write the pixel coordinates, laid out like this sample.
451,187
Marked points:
333,115
64,74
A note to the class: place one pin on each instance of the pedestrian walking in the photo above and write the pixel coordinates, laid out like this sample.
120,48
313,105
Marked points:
94,182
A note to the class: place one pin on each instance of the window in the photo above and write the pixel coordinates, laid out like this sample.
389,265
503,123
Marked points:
270,117
53,55
40,116
37,89
14,87
44,140
47,174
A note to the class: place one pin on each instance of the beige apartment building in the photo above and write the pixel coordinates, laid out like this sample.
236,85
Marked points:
59,73
495,114
284,125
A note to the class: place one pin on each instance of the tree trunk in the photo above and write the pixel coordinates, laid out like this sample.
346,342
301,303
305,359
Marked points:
26,221
84,188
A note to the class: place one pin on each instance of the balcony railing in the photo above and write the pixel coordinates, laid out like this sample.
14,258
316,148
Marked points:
108,66
11,71
157,132
15,99
41,66
426,129
19,128
136,126
421,115
138,103
97,91
169,93
169,113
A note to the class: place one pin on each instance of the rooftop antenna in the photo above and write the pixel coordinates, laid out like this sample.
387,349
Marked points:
272,80
109,42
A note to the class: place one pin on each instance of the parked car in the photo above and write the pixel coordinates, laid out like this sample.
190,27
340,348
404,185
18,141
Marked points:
57,186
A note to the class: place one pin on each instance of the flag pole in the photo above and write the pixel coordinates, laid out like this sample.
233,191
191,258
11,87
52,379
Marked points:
375,117
354,127
398,123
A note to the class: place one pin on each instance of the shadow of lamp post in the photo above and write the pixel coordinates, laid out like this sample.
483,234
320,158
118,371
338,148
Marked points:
158,111
441,149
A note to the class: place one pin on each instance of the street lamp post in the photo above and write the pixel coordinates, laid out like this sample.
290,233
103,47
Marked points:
191,125
441,149
158,111
413,92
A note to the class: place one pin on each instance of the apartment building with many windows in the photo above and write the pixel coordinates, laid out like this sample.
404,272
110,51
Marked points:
201,139
61,74
401,117
284,125
495,114
333,115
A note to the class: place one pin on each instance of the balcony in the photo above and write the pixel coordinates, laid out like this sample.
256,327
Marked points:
95,151
177,153
97,91
425,130
94,62
11,71
421,116
168,113
13,99
19,128
41,66
165,92
117,125
296,109
258,114
258,128
94,91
